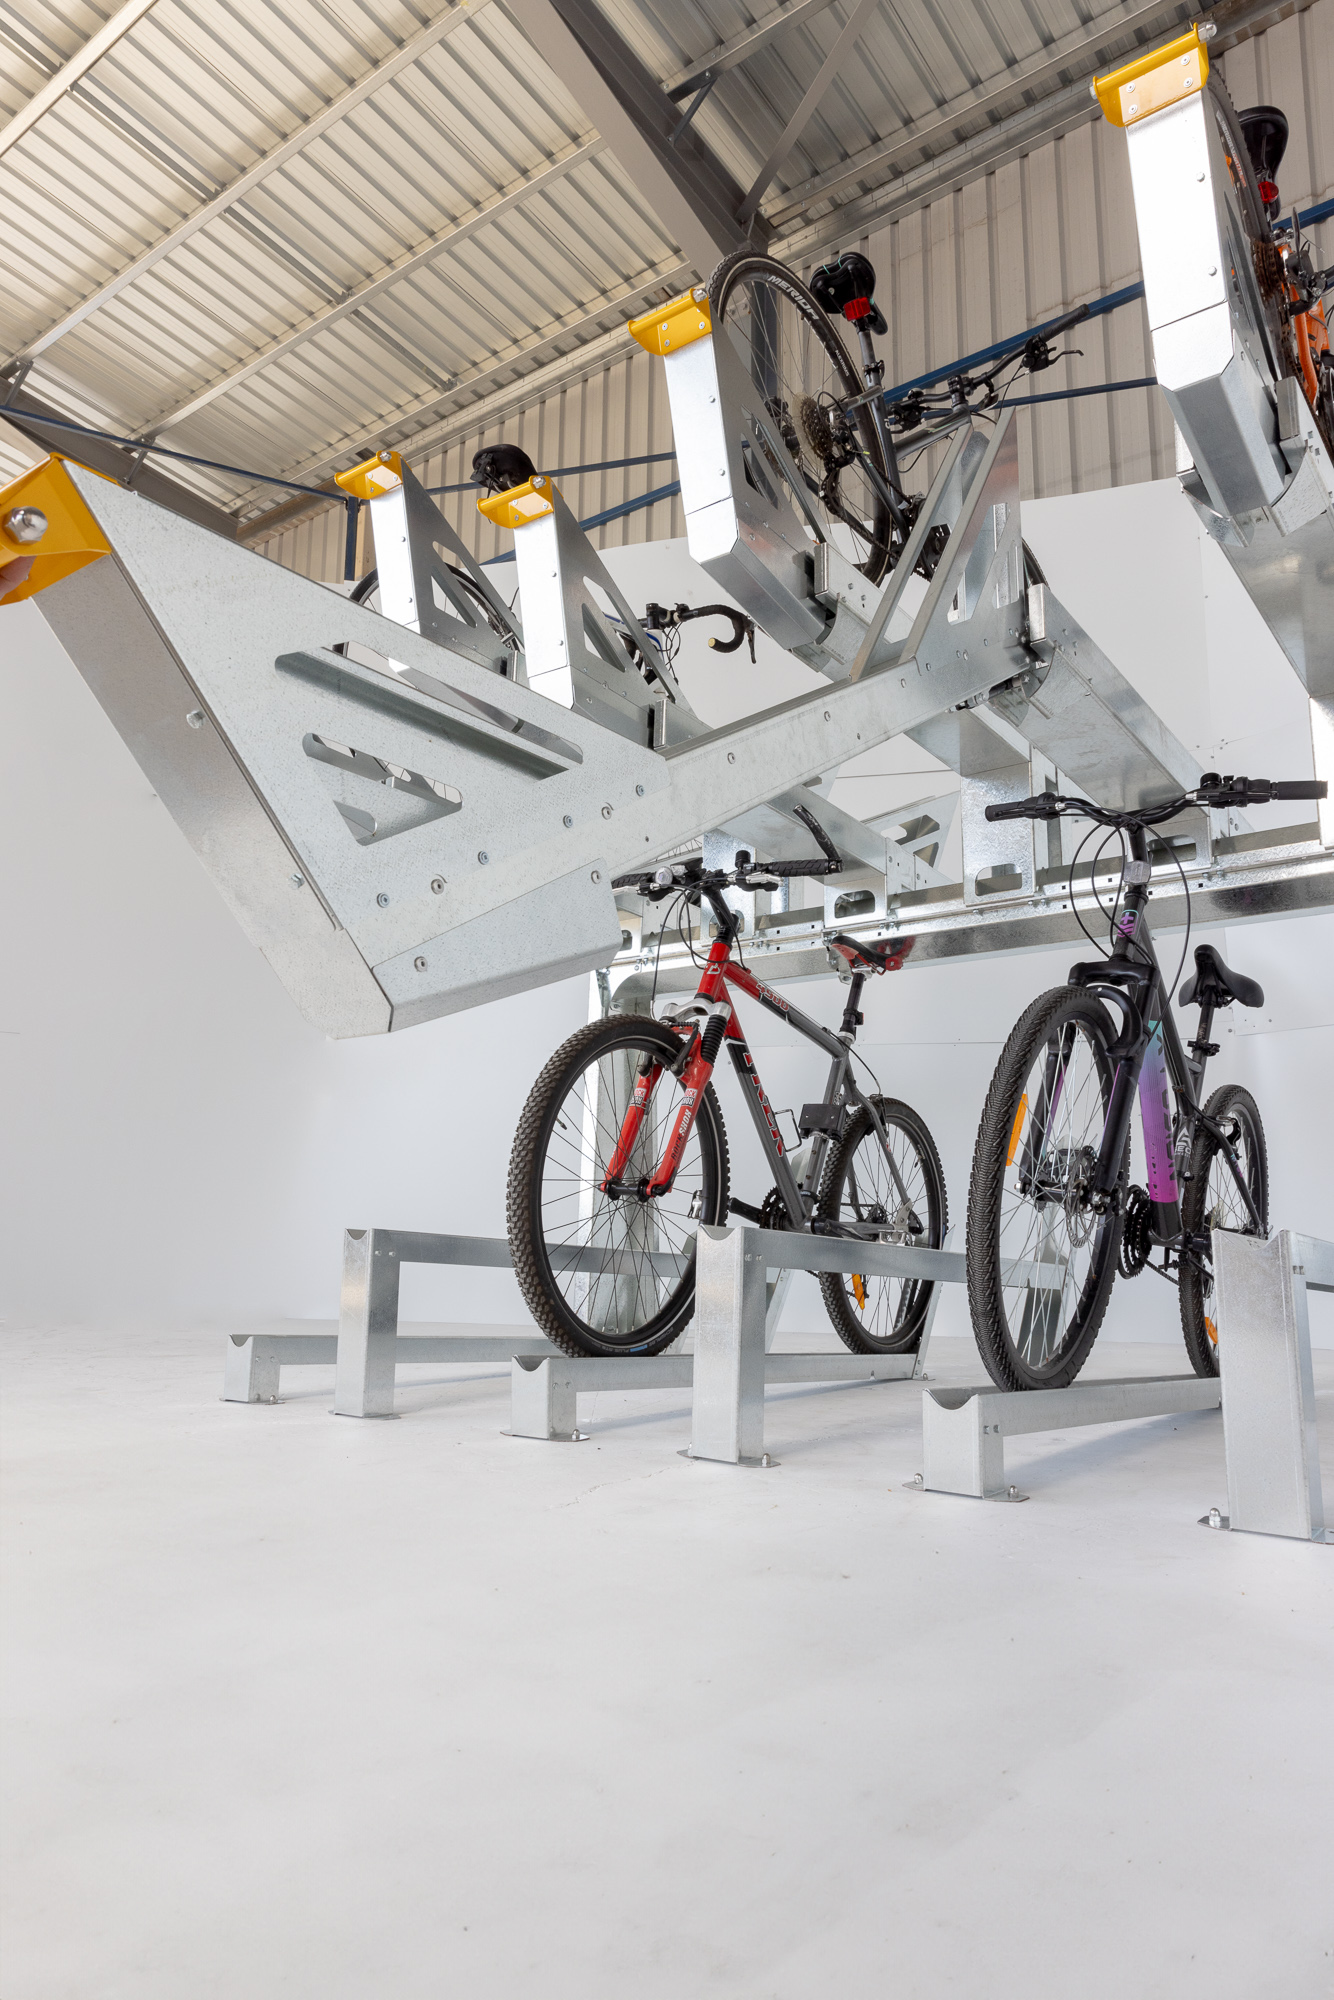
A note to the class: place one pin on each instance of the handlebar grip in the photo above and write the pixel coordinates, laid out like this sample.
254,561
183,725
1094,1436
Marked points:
630,881
1038,808
1299,788
801,867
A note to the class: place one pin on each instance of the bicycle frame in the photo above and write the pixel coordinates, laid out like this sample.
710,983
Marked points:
1151,1061
714,1013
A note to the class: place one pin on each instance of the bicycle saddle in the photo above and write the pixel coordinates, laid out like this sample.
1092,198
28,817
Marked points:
499,467
886,957
847,285
1216,985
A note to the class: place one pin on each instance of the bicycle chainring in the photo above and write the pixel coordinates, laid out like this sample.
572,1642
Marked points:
773,1211
1133,1253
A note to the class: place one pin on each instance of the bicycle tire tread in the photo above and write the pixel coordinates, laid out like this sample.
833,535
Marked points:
893,1111
525,1161
986,1304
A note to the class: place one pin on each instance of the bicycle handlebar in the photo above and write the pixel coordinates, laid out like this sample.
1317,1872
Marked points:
659,882
748,874
1211,791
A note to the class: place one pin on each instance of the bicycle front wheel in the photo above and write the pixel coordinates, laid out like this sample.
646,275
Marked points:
875,1315
1041,1258
804,373
1211,1201
600,1272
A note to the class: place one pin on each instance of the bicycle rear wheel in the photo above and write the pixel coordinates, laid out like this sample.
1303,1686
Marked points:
1212,1200
804,372
366,591
873,1315
601,1273
1041,1259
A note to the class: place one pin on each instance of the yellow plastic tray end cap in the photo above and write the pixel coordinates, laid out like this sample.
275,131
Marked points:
518,505
373,477
47,531
1164,76
673,326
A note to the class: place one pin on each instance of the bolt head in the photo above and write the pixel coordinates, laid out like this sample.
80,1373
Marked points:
639,791
606,812
298,881
382,900
26,524
567,821
420,964
482,855
437,885
196,718
596,875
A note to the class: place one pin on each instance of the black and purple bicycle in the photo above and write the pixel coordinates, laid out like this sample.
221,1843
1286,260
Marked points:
1052,1215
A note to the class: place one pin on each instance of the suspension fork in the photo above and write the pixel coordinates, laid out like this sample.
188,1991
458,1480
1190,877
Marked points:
646,1081
700,1055
1042,1113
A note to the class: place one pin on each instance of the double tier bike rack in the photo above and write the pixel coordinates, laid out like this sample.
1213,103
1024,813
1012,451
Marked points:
416,810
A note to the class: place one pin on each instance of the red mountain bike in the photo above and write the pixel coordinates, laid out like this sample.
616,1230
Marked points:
621,1151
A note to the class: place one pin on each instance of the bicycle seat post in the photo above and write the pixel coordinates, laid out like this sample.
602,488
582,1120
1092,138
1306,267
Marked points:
853,1018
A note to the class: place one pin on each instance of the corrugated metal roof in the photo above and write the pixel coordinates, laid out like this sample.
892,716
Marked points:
275,232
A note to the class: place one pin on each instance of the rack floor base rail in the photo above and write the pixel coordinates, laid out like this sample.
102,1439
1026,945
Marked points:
369,1343
252,1371
545,1391
731,1366
1264,1350
964,1430
543,1397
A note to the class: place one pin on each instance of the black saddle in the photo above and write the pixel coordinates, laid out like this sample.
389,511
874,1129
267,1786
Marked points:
1216,985
886,957
498,467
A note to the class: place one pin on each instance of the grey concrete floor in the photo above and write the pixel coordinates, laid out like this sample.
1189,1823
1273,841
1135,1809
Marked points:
309,1707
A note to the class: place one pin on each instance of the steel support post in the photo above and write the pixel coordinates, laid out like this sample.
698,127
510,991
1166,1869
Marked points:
367,1325
250,1370
1264,1351
731,1297
542,1402
736,1316
369,1342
